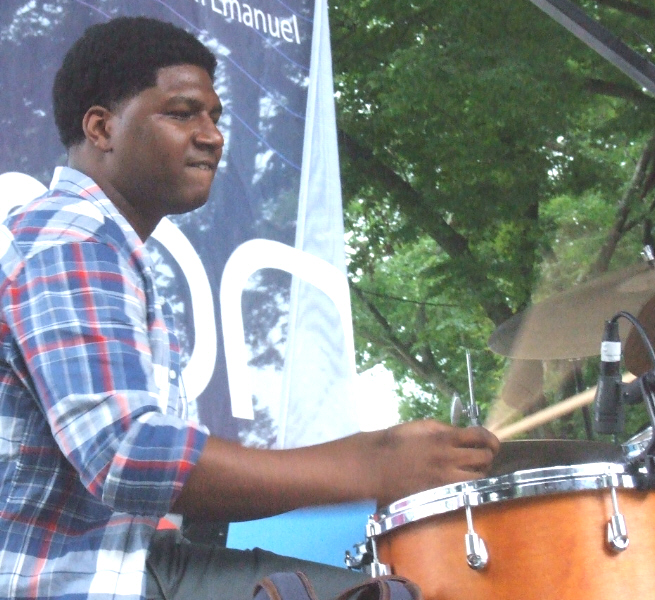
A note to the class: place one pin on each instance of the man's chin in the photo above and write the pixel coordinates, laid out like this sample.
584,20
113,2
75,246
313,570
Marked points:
188,205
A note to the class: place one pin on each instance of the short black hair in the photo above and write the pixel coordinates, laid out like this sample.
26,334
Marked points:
116,60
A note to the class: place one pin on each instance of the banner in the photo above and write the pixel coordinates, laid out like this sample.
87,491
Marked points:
256,278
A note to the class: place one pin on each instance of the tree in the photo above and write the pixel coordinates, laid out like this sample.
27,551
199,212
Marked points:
489,159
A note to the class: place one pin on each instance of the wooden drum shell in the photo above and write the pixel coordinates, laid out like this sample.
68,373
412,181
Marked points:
542,547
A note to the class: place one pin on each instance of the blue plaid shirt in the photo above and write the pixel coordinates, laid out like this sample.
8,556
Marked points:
94,445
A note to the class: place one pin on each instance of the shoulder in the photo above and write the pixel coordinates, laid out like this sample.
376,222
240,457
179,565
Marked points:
60,234
60,218
55,217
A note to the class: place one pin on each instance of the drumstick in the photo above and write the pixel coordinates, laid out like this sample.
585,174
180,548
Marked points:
551,413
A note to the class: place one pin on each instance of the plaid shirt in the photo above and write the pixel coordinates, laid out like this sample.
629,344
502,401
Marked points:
94,445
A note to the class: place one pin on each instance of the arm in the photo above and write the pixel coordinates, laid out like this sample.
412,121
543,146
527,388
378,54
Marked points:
78,315
232,482
86,344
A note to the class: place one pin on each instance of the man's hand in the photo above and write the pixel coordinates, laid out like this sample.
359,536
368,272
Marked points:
421,455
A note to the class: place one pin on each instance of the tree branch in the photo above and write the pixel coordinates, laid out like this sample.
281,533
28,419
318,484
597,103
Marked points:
421,212
637,190
616,90
402,351
630,8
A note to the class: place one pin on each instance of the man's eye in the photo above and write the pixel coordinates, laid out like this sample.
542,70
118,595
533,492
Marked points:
180,114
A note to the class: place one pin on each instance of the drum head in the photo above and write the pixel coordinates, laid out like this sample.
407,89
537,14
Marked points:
521,455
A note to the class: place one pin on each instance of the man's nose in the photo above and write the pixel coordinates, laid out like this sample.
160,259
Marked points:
209,134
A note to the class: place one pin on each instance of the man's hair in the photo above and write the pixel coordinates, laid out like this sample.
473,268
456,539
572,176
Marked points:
115,61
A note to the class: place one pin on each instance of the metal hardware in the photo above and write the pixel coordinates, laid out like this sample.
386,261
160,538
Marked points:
457,408
617,531
476,550
377,568
360,560
473,409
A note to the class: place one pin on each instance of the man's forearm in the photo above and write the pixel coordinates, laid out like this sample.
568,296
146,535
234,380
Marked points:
231,482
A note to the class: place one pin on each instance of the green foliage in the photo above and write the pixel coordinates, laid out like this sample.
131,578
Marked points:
487,156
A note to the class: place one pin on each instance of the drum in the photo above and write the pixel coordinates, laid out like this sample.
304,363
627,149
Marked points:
575,526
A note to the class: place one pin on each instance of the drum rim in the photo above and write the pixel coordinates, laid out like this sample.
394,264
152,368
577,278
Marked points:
520,484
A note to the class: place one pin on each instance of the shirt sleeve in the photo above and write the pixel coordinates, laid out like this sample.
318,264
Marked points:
80,318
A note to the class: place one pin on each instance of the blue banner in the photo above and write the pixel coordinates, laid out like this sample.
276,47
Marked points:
256,278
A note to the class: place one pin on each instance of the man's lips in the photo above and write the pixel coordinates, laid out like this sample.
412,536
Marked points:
204,164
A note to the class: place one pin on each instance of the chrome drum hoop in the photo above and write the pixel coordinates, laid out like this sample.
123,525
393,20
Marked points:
520,484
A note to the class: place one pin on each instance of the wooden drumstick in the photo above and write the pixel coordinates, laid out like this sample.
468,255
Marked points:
551,413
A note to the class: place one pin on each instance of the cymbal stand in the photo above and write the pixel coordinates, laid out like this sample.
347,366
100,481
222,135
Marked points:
473,410
457,409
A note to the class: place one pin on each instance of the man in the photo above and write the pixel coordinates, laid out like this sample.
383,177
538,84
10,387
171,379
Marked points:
95,447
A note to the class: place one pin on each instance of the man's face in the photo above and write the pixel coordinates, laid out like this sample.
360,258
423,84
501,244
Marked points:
165,146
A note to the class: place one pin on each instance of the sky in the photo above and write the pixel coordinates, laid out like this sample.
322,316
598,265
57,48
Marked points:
377,405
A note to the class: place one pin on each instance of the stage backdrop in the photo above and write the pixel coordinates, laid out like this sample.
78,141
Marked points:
256,278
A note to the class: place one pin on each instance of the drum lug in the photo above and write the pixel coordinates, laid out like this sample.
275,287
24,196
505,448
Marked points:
617,531
377,568
476,550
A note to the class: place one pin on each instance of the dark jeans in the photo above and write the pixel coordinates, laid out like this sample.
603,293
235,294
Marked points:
183,570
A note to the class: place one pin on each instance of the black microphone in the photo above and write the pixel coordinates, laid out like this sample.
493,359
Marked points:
609,415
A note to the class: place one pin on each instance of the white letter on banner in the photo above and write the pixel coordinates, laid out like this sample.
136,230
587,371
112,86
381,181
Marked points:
295,28
200,368
259,15
247,259
286,28
17,189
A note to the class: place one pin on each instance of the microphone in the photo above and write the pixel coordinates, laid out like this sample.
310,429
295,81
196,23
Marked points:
609,416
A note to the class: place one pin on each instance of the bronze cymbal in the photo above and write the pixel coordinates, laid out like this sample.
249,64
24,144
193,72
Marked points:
570,324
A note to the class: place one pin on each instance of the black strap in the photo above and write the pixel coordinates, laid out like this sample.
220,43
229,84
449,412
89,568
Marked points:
386,587
284,586
296,586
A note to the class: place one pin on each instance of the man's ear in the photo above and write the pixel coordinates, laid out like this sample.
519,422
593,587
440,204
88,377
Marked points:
96,127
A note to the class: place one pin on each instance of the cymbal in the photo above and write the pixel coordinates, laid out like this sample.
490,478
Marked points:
570,325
